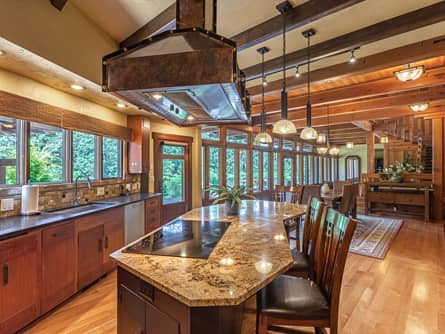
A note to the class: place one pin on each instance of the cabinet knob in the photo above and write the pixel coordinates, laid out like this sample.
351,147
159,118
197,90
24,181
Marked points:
5,274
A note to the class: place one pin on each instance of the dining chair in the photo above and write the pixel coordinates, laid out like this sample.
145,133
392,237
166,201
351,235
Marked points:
291,225
280,193
310,190
304,258
296,194
348,203
338,186
295,301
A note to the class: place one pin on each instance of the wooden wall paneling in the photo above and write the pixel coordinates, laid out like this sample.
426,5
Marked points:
370,152
438,165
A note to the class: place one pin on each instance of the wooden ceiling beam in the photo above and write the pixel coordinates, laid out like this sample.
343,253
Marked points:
364,125
59,4
434,93
296,18
395,26
165,19
355,92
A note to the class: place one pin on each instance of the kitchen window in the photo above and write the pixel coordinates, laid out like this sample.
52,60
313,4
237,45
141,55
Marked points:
9,138
84,155
46,153
256,171
111,158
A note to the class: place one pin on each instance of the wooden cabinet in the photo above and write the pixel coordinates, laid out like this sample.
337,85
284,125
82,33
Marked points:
20,281
90,255
113,238
58,265
131,312
98,235
152,214
138,147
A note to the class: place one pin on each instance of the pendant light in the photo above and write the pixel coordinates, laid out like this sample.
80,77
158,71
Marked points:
410,73
309,133
284,126
263,137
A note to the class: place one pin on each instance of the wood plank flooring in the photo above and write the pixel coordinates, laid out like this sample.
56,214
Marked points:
403,294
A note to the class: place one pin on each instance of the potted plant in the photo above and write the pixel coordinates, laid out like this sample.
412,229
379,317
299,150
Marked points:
396,171
232,196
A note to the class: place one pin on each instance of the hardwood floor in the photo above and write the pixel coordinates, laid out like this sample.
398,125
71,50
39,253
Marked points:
403,294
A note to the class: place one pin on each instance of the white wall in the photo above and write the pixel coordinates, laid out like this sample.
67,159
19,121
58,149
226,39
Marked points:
359,150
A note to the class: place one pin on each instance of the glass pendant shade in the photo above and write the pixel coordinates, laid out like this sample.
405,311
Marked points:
350,145
322,138
334,150
419,107
309,133
322,150
384,140
284,126
263,138
411,73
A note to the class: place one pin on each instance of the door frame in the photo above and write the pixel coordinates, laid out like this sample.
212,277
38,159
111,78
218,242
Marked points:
158,141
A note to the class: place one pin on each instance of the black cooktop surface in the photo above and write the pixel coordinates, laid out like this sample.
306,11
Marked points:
182,238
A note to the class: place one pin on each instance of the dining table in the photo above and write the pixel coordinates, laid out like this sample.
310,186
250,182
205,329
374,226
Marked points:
331,198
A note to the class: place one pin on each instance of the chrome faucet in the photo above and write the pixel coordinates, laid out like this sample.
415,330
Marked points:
76,199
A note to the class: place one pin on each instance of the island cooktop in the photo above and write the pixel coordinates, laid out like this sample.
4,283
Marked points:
182,238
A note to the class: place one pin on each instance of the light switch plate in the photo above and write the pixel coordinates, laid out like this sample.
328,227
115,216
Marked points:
128,187
100,191
7,204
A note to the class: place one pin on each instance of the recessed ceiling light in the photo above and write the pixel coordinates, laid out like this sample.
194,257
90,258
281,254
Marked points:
2,52
157,96
190,118
77,87
121,105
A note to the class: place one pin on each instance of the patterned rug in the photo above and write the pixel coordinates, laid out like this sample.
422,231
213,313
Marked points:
373,236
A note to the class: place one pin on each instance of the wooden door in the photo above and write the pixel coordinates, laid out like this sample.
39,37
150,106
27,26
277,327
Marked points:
19,286
173,174
113,236
131,312
90,255
58,265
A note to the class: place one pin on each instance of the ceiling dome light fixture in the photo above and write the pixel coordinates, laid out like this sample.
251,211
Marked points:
297,72
190,118
309,133
284,126
322,150
334,150
419,107
263,137
410,74
121,105
350,145
353,58
384,139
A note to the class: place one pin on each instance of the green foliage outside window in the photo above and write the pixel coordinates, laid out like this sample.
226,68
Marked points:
214,179
256,170
84,155
287,171
111,158
8,149
173,180
230,167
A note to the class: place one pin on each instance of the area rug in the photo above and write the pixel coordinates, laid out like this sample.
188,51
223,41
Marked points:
374,235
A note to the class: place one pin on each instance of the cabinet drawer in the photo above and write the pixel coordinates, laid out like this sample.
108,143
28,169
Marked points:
152,203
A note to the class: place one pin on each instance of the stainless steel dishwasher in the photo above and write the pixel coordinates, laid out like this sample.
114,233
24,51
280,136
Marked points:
134,221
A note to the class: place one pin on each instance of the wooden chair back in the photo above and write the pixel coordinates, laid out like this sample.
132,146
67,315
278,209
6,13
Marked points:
336,231
280,193
314,213
338,186
349,199
296,193
313,190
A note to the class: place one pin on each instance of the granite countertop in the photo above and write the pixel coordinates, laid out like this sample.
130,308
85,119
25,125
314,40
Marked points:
16,225
253,251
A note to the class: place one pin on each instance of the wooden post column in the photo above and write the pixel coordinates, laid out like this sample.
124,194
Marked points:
371,152
438,165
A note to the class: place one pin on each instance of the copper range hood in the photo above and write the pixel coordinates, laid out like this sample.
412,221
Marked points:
188,75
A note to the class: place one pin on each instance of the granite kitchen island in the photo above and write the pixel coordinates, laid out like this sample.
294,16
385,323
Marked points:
194,275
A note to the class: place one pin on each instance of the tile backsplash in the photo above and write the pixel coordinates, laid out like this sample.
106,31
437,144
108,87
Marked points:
60,195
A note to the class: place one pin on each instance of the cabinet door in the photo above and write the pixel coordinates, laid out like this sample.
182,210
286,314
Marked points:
90,255
131,312
152,214
159,322
113,240
58,265
19,286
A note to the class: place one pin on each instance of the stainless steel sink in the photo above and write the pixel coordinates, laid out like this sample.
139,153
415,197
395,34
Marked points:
80,208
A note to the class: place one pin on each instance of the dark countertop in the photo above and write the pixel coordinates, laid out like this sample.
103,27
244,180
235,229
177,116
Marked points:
16,225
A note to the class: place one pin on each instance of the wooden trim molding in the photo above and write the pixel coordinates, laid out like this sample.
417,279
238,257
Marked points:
12,105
